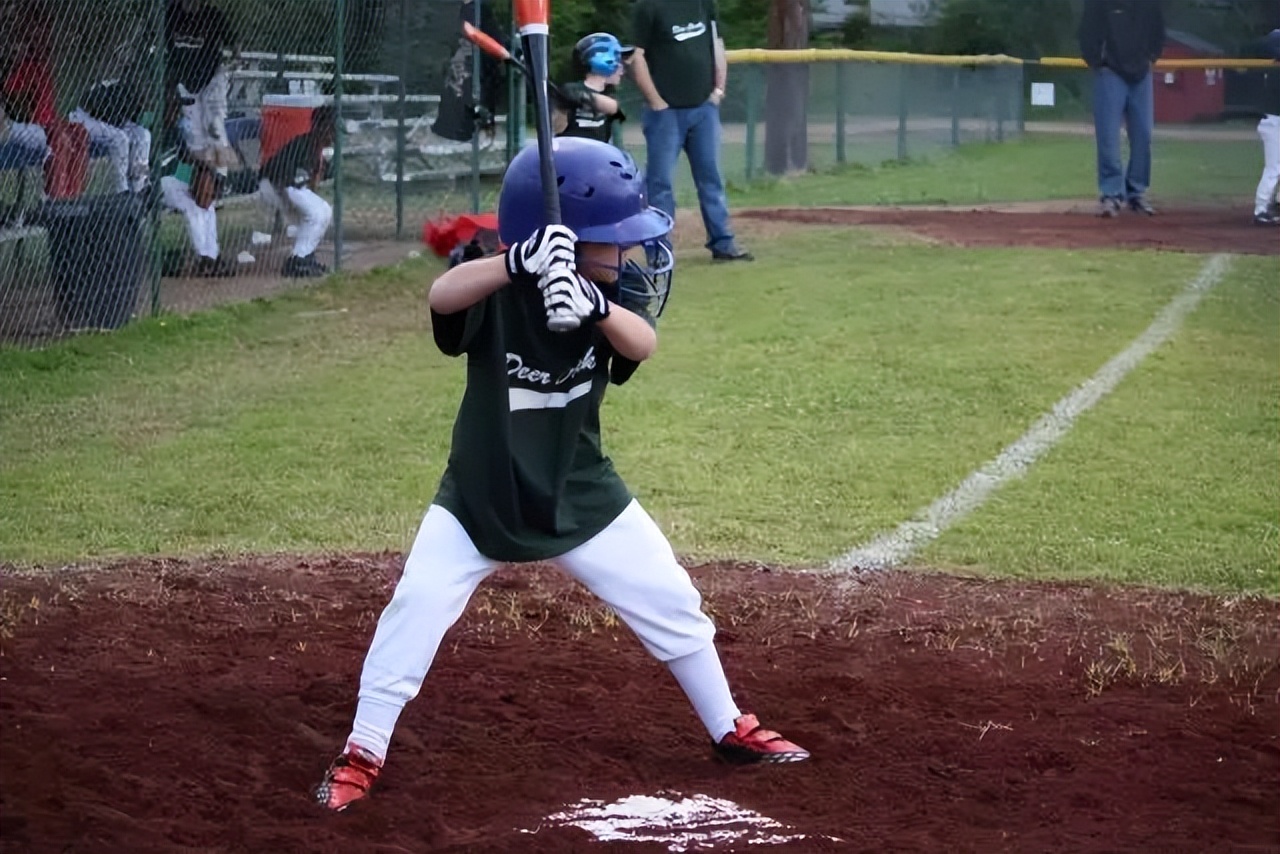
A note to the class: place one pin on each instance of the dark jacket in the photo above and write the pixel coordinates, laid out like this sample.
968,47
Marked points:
195,41
1126,36
1271,91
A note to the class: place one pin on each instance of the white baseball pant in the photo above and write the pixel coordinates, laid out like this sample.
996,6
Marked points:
1269,131
29,135
202,223
302,208
128,146
629,565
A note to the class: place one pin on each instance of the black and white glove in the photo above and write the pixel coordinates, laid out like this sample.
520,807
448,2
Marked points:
571,300
548,247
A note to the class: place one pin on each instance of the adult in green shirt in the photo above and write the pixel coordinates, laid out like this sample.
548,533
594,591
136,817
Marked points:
680,68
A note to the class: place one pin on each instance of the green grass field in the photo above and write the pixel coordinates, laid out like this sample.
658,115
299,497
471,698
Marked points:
796,408
1036,167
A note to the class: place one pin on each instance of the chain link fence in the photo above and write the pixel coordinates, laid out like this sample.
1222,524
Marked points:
855,111
168,155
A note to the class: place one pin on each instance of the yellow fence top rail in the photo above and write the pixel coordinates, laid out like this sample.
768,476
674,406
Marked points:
1164,64
760,55
844,55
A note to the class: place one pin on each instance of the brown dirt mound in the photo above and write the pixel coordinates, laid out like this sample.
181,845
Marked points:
1200,230
168,706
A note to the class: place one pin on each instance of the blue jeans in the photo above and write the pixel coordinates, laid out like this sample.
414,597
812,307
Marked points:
1117,101
696,130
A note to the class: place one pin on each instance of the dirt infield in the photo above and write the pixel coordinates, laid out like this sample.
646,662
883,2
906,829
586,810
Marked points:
169,706
1071,225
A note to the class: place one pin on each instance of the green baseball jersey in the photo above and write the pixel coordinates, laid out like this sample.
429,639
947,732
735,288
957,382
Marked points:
527,477
678,40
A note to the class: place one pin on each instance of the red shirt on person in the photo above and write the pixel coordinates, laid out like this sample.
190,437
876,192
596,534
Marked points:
28,89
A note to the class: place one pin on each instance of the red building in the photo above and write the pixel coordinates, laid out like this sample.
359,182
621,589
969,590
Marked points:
1185,95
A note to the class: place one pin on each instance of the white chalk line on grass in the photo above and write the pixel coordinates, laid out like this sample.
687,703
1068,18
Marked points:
894,548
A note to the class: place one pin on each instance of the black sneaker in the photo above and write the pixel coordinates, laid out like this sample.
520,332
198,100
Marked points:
1267,218
303,268
215,268
1139,204
733,253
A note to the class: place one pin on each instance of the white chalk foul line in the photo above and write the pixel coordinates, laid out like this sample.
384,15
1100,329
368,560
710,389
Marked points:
893,548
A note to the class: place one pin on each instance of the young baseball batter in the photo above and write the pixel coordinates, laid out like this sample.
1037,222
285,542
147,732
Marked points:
527,479
590,107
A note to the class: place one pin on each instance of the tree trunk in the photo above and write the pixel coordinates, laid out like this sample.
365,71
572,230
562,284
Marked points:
786,137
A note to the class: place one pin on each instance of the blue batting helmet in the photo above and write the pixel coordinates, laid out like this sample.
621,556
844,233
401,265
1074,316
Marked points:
600,53
603,200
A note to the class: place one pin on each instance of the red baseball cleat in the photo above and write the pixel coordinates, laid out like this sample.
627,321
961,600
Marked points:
348,779
750,742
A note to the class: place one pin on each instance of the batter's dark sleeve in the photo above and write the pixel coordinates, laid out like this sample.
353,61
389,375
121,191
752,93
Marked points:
620,369
454,333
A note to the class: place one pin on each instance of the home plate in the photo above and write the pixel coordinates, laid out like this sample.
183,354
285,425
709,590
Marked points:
696,823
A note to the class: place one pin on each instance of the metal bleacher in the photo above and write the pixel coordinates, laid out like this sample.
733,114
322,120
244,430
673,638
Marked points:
370,134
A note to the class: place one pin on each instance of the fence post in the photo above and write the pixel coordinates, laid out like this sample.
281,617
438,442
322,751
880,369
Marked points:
339,36
157,151
955,106
1020,89
753,83
840,96
475,106
516,89
400,140
515,112
902,111
1000,105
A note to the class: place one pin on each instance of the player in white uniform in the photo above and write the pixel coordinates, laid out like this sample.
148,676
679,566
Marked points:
527,479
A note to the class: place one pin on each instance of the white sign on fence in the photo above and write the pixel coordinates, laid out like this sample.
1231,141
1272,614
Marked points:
1042,94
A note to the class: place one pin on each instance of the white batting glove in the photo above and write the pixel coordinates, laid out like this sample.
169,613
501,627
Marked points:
548,247
571,300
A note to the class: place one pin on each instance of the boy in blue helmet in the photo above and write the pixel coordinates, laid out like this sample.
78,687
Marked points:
527,479
589,108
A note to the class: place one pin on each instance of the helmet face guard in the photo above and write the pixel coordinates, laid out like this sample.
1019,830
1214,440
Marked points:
645,287
603,200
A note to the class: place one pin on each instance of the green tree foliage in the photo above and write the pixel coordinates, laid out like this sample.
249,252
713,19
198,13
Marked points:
1027,28
1233,25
